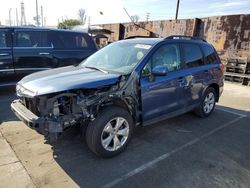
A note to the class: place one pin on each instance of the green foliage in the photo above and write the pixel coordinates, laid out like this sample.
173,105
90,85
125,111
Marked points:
68,24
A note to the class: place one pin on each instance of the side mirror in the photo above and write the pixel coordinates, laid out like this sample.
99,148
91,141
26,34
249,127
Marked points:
160,70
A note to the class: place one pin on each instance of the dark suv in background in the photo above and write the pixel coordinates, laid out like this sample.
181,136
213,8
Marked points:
127,83
24,50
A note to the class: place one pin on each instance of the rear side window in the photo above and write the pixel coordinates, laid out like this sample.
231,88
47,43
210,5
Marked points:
209,54
69,40
32,39
5,38
3,41
192,55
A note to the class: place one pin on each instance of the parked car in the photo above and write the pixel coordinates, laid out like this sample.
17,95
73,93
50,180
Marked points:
127,83
24,50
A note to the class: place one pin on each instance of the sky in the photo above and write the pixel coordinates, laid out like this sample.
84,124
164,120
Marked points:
113,10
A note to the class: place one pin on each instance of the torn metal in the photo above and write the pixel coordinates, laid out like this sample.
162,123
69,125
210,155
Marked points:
59,111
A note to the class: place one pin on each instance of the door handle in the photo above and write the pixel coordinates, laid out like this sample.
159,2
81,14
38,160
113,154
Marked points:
4,54
44,53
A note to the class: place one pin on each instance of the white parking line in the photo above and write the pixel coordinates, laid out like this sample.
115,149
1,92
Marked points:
166,155
230,111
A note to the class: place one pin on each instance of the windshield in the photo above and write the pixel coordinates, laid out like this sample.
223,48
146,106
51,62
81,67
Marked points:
119,57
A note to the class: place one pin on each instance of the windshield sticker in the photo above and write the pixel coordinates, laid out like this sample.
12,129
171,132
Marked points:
143,46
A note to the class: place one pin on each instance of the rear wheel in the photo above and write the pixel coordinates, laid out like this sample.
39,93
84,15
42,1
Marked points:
207,104
110,132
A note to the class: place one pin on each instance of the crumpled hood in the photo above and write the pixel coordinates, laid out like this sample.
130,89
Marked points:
66,78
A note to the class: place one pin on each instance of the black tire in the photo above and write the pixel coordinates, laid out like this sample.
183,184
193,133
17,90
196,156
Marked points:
200,111
94,133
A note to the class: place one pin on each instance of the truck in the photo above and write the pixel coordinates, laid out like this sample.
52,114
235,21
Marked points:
25,50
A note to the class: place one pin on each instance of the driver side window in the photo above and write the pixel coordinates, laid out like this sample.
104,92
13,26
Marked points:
167,56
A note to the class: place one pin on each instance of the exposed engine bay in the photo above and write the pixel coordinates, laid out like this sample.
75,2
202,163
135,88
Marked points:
59,111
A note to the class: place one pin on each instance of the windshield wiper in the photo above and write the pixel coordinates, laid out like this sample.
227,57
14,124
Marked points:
95,68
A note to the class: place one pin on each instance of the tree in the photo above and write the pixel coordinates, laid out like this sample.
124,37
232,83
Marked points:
82,16
68,24
135,18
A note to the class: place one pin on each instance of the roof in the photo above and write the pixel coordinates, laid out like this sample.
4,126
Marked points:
153,41
37,28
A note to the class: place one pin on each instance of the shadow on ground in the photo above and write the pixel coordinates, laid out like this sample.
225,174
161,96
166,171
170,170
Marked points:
7,95
218,160
180,170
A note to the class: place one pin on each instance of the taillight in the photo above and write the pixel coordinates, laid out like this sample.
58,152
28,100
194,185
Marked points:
222,67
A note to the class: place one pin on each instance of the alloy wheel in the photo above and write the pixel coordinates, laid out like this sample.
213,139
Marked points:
115,134
209,103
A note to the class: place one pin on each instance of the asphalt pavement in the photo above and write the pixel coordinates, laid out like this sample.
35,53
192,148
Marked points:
185,151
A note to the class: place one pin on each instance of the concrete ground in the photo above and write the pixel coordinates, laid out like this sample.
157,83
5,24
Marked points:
184,151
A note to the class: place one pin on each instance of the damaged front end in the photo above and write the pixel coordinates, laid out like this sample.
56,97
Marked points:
51,114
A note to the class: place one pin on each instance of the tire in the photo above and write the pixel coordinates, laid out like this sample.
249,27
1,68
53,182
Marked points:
110,133
207,104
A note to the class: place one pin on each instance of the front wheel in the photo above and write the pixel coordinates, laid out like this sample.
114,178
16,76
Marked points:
110,132
207,104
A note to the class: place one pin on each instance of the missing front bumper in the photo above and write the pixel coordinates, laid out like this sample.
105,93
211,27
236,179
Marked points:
24,114
29,118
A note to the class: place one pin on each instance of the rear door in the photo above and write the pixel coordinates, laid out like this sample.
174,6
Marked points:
7,74
32,51
162,95
70,48
196,73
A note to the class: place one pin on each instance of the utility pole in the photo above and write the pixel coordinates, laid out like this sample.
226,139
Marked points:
42,15
177,9
17,18
23,18
147,16
10,22
37,18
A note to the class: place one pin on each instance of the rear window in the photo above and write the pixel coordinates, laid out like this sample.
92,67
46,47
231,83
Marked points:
33,39
69,40
209,54
192,55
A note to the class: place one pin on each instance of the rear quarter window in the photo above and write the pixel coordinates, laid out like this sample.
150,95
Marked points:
209,54
192,55
69,40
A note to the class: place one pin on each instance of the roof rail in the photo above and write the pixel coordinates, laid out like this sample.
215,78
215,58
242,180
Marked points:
185,37
139,36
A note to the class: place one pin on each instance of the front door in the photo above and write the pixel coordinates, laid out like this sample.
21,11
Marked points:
32,52
7,73
162,95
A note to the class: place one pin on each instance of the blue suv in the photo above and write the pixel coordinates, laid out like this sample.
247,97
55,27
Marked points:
127,83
